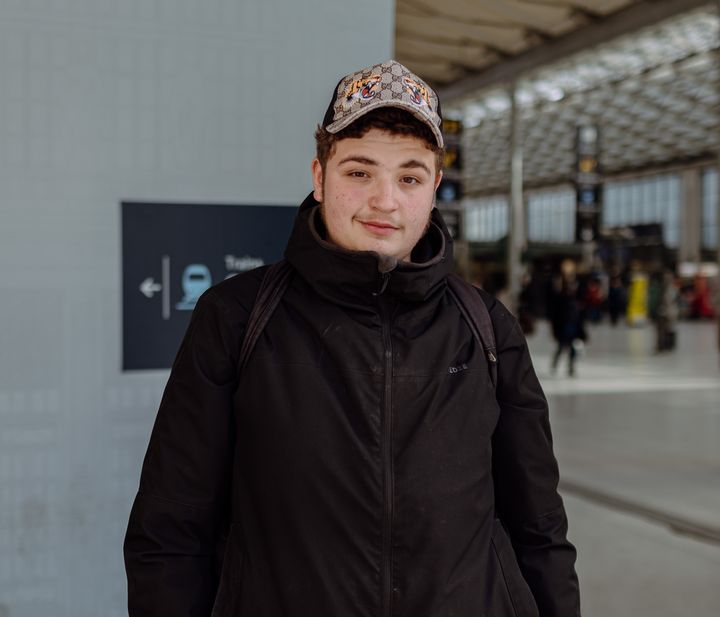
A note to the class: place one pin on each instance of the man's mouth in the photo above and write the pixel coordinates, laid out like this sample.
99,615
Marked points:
378,228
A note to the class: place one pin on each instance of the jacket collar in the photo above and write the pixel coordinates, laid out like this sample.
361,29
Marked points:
360,276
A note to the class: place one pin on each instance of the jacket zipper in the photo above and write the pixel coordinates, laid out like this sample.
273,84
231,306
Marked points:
387,454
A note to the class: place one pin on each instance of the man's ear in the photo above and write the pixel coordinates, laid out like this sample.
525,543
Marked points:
437,179
317,176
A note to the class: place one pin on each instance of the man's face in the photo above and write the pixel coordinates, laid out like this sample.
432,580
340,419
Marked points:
377,192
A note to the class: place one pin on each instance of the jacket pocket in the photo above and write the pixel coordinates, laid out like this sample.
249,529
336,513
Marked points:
521,597
227,599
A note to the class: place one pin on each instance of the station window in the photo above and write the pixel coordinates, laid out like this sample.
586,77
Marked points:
655,199
551,215
486,218
710,209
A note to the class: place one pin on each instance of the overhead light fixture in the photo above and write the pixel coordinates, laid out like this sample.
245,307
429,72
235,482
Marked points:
473,114
498,102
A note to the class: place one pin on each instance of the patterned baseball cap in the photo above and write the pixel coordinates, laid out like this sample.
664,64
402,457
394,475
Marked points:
389,84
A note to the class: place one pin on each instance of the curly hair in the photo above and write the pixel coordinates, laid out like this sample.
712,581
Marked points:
389,119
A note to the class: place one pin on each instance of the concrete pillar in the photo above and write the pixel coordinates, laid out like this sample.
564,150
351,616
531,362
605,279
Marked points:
690,216
517,236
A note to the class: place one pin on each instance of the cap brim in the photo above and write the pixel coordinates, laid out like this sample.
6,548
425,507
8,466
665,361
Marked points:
351,117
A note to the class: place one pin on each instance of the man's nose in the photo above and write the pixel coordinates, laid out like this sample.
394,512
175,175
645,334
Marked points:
384,195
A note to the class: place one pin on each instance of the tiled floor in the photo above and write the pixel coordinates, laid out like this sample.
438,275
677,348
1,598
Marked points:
637,436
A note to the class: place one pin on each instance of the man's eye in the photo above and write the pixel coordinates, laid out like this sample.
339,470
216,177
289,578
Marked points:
410,180
358,174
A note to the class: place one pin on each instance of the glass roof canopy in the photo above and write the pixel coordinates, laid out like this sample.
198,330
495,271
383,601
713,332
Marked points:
654,95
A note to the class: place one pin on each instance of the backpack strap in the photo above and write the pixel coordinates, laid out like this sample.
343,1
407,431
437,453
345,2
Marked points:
477,316
276,280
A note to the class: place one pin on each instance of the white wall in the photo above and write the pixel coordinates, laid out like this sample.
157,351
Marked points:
101,101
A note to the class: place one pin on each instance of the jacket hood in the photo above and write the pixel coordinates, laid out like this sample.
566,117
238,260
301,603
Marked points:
352,277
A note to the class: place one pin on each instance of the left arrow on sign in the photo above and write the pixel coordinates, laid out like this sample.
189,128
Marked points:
149,287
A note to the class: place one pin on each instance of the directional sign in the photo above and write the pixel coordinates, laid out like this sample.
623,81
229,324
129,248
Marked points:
149,287
172,253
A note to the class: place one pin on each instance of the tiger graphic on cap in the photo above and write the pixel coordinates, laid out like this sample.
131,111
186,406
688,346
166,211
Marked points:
419,93
361,89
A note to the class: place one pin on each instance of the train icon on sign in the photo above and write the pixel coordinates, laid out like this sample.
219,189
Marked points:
196,279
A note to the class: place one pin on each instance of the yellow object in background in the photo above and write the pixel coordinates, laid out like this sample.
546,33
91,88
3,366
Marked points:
637,306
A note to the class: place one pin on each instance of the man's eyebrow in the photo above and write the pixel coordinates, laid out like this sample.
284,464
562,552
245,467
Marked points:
413,164
358,159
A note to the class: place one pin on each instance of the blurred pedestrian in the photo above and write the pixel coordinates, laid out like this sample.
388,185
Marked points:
593,299
566,316
616,300
701,307
716,303
666,313
525,314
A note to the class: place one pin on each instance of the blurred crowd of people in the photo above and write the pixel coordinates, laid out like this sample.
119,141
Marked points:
570,300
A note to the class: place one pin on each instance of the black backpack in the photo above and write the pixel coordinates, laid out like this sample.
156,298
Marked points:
277,279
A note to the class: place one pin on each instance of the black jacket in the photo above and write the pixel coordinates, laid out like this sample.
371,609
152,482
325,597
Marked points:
362,464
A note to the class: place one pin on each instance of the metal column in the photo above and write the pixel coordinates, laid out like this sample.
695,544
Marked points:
690,216
516,219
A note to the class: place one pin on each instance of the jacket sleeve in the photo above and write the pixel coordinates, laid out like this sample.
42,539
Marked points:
525,474
177,520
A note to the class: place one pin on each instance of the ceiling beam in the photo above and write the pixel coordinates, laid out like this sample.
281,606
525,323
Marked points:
432,12
637,16
452,43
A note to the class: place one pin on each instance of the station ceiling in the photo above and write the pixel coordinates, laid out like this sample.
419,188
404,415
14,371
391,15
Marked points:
653,92
448,41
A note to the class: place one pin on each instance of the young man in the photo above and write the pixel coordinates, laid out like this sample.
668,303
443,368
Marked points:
362,463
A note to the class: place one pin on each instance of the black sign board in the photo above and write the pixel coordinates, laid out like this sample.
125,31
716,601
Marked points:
171,253
587,212
453,220
588,184
450,190
451,128
452,158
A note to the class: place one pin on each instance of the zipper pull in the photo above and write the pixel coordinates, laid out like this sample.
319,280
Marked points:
383,286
